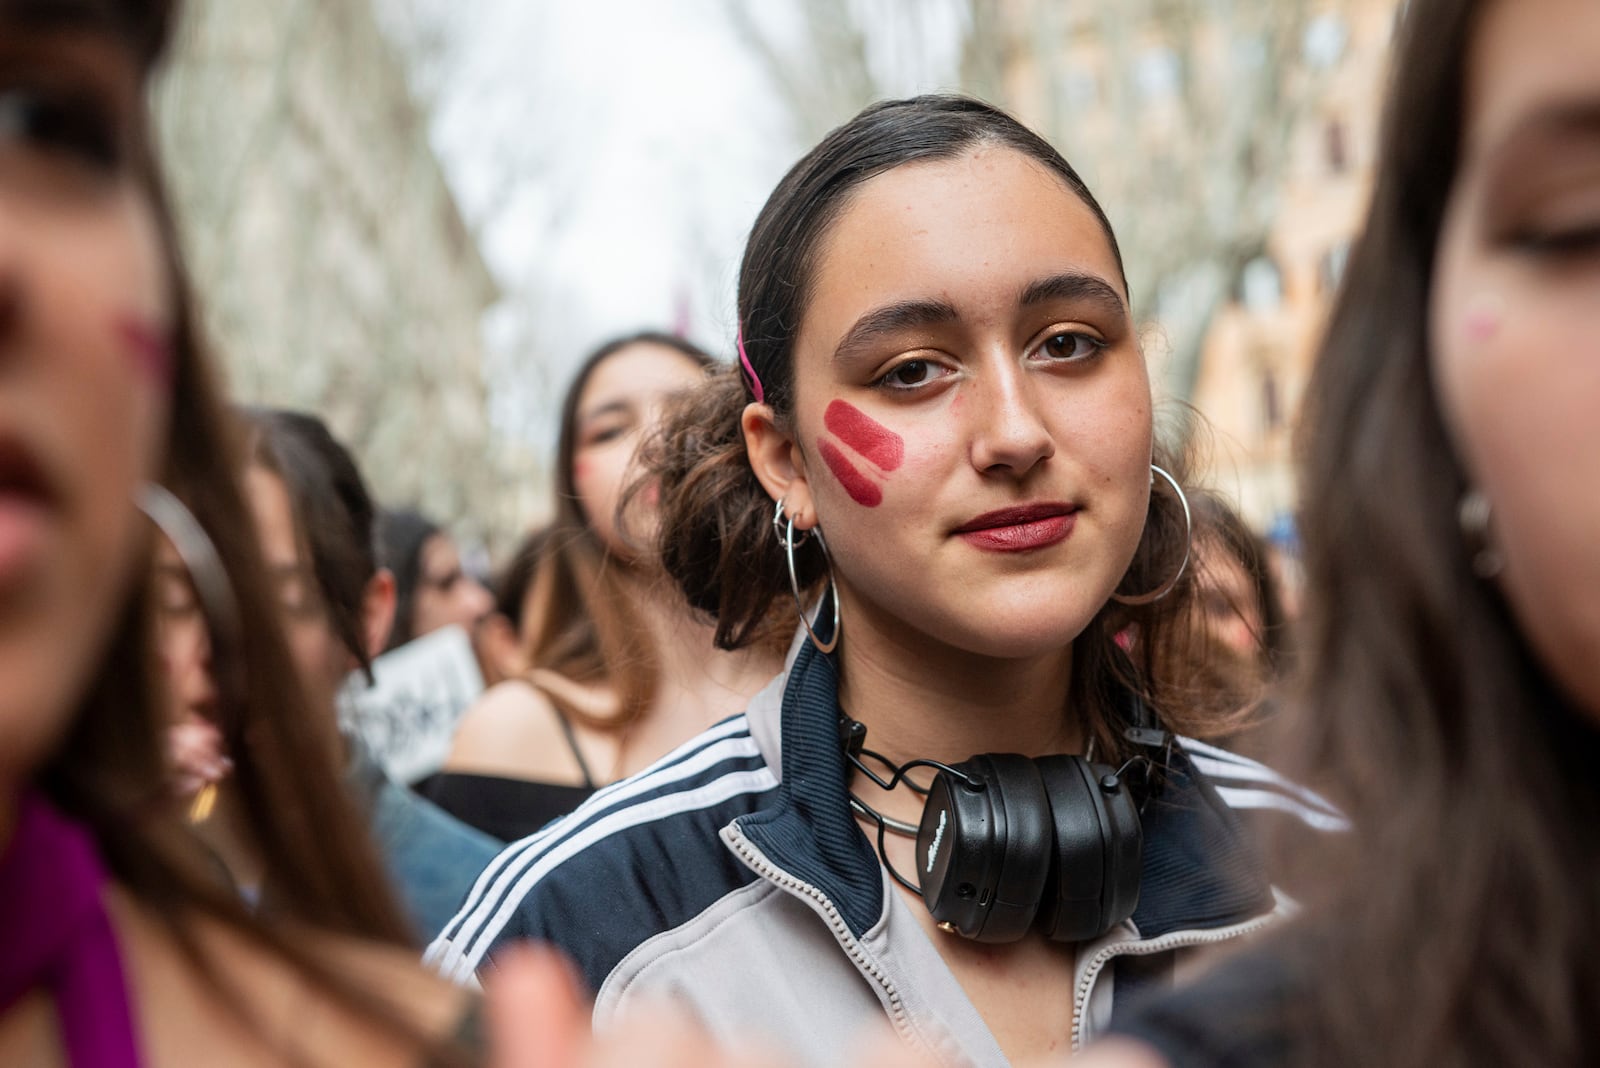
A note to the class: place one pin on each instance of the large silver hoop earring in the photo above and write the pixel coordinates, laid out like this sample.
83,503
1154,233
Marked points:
1475,514
783,526
218,605
1188,544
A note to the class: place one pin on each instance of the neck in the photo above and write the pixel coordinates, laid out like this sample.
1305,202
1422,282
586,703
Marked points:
686,646
921,699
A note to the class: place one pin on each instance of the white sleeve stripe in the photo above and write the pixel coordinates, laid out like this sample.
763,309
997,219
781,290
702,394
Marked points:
479,932
1238,798
513,855
1217,771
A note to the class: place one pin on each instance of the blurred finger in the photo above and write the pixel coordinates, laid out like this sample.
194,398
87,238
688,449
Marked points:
536,1015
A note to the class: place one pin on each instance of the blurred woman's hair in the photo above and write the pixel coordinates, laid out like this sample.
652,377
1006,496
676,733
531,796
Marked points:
515,581
716,532
580,621
334,517
109,772
1463,928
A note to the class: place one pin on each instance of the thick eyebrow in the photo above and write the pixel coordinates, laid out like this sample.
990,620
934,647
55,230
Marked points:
890,319
1075,286
610,408
1556,124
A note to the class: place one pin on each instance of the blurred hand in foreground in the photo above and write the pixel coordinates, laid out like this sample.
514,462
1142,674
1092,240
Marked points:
538,1017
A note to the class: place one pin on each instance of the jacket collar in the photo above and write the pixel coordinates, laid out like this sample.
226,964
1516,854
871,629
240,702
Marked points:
1200,869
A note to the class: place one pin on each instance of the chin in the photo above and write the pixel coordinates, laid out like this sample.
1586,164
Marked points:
1017,631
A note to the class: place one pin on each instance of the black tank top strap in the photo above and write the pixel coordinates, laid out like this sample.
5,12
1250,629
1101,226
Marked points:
572,743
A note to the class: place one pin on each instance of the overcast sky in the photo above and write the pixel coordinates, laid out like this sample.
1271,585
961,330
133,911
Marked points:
612,155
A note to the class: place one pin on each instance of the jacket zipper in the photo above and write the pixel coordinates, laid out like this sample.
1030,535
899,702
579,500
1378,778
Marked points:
1137,948
841,931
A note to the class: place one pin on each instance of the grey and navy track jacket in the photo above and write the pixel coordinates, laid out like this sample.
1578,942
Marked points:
732,877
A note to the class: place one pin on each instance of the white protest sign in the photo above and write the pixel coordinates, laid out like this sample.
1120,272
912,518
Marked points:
408,716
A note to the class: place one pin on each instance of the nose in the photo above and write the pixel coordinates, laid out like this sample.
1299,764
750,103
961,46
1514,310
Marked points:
1010,434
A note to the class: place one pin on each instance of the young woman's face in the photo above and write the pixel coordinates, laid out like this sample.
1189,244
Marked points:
85,365
972,421
445,593
620,405
1516,318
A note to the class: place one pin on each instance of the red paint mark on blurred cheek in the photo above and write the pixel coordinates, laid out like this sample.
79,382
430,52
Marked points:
861,489
1483,326
882,446
149,347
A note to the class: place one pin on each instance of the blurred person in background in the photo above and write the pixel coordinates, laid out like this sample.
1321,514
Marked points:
1244,618
432,590
314,521
120,945
1452,637
1238,591
615,670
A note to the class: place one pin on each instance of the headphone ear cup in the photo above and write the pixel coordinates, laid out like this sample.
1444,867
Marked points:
983,855
1098,850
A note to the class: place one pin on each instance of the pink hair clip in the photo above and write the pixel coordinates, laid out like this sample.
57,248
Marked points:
755,379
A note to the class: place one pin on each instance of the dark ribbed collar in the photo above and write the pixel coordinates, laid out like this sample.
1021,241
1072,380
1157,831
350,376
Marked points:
1200,869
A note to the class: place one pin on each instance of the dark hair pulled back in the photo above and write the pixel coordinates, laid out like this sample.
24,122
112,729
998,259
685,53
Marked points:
716,534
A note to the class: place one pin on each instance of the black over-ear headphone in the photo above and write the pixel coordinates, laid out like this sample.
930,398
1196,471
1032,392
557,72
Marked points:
1008,843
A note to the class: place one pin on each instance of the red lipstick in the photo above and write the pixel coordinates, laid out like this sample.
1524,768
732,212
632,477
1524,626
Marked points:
1020,529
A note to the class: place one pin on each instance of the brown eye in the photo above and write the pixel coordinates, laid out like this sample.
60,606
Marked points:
912,374
1071,347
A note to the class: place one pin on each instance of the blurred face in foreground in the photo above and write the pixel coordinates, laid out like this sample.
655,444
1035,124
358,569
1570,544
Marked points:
1516,319
85,368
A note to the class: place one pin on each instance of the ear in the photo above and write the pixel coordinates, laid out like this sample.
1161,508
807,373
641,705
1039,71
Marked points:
779,464
377,610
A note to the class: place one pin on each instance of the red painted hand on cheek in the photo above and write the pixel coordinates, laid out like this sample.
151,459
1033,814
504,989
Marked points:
879,445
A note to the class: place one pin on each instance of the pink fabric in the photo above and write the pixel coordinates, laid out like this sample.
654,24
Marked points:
755,380
54,933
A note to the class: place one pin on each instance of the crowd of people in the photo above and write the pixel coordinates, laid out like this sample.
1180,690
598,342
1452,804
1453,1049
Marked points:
886,692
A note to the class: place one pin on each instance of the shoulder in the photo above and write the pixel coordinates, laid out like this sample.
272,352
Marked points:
641,856
184,1015
511,730
1248,785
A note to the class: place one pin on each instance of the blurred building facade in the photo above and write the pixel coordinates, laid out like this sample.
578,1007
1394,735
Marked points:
1261,344
1232,145
334,269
